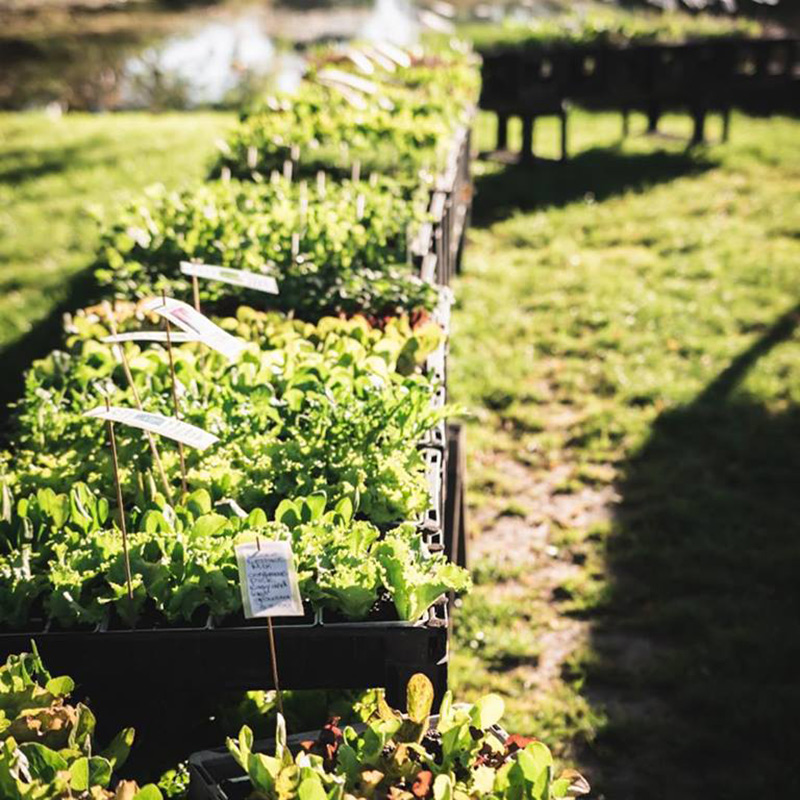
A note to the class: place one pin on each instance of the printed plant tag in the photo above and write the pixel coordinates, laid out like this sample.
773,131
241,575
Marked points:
192,321
268,580
176,337
170,427
238,277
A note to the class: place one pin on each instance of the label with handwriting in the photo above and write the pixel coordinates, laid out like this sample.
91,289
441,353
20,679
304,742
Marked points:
192,321
171,427
238,277
268,580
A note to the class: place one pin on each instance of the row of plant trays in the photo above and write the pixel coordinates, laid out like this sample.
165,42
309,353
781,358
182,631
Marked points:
439,243
319,651
725,70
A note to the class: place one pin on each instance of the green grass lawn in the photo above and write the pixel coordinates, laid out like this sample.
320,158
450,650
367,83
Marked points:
627,339
52,174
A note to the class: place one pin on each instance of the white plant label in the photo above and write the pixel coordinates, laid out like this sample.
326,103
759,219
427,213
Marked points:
396,54
238,277
436,23
151,336
361,61
171,427
333,75
193,322
268,580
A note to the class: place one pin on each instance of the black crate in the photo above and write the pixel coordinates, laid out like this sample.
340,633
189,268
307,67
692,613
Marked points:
166,682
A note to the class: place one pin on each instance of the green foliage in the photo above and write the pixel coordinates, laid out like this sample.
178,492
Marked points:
404,128
184,570
47,748
351,249
461,755
611,26
306,409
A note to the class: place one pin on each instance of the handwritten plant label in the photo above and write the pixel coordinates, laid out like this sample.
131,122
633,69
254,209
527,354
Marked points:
171,427
150,336
268,580
238,277
188,319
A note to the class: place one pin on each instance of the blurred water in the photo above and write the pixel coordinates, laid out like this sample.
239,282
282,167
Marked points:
210,56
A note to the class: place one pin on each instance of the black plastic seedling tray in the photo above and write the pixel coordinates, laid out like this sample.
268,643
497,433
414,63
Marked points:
438,244
214,775
164,681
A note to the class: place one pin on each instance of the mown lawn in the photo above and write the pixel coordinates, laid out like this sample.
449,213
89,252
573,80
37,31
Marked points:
627,339
53,173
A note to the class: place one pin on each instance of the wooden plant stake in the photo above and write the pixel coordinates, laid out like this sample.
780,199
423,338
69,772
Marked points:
272,653
295,246
355,174
274,665
288,168
120,506
196,294
175,403
151,440
321,190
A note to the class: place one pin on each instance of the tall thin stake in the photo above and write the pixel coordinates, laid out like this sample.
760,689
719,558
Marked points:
272,653
274,658
120,505
151,440
175,403
196,293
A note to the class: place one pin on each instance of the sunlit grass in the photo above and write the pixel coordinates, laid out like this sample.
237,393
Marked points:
54,171
643,296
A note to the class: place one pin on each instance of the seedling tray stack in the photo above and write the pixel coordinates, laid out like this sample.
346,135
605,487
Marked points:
319,652
439,244
166,672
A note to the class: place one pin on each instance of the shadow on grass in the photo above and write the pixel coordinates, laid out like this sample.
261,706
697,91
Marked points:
50,161
45,335
599,173
696,655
